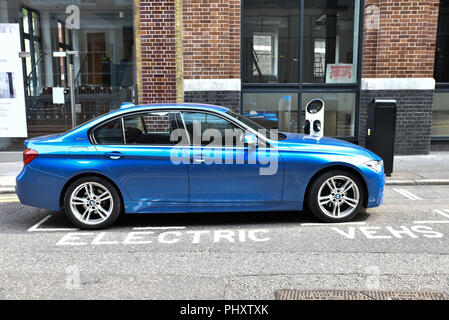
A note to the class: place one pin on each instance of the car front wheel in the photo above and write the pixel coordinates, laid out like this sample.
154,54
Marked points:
336,196
92,203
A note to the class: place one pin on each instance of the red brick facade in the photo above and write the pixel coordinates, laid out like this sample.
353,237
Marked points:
158,51
399,38
211,39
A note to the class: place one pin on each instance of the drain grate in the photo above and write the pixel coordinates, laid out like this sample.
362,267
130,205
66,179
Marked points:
289,294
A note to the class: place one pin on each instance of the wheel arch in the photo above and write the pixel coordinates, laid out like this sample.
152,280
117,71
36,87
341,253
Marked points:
87,174
343,168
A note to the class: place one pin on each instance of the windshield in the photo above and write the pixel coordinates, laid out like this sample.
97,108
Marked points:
256,127
246,121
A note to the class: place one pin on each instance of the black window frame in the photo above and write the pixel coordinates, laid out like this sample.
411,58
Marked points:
440,87
301,87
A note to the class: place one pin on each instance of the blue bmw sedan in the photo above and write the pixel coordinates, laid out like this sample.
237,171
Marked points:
178,158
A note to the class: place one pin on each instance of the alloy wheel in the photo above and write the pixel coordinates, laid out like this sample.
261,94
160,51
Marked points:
91,203
338,197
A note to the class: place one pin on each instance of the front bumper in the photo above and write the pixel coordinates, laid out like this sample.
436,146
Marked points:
375,183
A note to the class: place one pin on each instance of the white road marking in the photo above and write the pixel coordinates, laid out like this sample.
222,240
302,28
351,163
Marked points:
36,228
440,212
446,215
165,237
407,194
159,228
332,224
430,222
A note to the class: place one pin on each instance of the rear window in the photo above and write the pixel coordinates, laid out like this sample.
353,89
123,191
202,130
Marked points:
110,133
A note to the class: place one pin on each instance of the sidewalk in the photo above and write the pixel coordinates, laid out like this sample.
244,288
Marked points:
431,169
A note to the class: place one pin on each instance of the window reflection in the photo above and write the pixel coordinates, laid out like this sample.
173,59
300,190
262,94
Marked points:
330,37
104,69
440,120
271,41
442,44
272,110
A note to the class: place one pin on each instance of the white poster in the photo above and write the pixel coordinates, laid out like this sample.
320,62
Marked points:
340,73
12,96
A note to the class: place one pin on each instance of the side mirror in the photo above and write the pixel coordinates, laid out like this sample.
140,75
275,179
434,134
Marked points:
250,140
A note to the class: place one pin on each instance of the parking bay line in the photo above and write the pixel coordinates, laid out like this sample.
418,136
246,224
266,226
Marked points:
446,215
436,221
159,228
331,224
407,194
9,199
36,228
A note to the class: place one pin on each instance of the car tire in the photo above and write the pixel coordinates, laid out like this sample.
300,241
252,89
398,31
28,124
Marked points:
331,199
92,203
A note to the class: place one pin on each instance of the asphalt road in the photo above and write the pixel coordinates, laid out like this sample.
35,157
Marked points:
402,245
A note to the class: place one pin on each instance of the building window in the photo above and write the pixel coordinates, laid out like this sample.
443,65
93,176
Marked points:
103,59
440,111
272,110
440,115
265,48
339,114
329,41
64,44
271,41
291,56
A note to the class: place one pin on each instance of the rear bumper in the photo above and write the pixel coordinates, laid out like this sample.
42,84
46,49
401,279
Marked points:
39,189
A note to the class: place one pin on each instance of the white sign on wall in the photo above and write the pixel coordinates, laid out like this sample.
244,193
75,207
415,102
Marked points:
340,73
12,96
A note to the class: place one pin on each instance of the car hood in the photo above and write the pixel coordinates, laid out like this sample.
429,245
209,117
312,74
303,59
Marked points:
310,143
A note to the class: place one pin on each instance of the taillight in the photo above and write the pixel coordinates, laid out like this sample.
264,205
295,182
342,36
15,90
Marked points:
29,155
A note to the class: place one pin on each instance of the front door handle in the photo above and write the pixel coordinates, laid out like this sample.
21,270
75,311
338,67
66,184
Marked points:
114,155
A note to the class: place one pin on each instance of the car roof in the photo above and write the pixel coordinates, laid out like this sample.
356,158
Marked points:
130,108
196,106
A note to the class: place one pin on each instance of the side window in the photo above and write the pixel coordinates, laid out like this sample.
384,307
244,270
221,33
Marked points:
152,128
198,126
110,133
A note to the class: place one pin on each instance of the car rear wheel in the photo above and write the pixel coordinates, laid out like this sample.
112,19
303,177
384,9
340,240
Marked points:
336,196
92,203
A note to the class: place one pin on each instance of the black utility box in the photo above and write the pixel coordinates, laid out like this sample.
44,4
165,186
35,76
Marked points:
381,128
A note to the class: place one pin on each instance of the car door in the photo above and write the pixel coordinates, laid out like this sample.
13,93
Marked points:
136,149
235,178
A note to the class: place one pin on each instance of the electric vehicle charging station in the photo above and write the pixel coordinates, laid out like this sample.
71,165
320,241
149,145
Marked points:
314,124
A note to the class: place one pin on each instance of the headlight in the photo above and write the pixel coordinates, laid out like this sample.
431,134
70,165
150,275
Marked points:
375,165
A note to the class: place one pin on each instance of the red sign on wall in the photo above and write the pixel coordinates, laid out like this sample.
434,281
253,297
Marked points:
340,73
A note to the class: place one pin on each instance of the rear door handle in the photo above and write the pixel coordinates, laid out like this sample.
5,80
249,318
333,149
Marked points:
114,155
197,158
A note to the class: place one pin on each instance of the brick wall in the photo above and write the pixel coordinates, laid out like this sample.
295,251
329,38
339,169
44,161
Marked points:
399,38
158,50
229,99
211,39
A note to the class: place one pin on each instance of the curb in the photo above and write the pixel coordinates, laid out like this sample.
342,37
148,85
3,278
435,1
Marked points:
418,182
